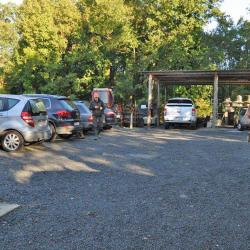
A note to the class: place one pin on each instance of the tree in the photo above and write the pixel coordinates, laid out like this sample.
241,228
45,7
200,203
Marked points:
46,35
8,37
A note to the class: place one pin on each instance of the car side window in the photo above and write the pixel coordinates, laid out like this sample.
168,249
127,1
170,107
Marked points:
2,108
11,103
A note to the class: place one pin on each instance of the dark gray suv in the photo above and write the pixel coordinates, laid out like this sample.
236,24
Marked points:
63,115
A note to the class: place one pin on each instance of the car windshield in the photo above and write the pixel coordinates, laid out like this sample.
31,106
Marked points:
37,106
83,108
67,104
103,95
242,112
180,101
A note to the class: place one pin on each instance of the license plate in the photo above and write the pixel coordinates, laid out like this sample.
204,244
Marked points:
77,123
178,118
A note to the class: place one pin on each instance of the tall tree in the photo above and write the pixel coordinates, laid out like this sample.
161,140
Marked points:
45,34
8,36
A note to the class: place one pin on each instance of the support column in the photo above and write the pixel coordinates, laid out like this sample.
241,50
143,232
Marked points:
158,103
215,102
150,97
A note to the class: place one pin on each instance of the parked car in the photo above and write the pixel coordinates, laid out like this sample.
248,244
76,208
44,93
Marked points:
143,109
137,117
241,121
86,116
22,120
180,111
63,115
109,118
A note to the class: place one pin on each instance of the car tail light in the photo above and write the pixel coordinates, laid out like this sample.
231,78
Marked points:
90,118
193,111
27,117
63,114
165,111
110,113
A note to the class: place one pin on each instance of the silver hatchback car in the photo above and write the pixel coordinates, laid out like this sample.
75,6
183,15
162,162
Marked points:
22,120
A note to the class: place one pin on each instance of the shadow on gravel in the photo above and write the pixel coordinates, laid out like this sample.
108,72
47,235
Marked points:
132,189
120,149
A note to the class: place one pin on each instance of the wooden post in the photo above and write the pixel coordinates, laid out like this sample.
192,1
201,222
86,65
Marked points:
158,103
131,120
215,103
150,97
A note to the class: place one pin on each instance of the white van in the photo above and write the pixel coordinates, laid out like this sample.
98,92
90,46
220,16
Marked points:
180,111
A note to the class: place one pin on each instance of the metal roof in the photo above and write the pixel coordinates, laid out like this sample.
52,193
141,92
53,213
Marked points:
200,77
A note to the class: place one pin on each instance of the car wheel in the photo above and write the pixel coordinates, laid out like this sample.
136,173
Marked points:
53,133
240,127
12,141
193,126
66,136
166,125
141,123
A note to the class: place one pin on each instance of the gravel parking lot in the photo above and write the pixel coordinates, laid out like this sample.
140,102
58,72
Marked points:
132,189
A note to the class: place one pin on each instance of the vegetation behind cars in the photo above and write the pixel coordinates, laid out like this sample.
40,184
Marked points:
65,47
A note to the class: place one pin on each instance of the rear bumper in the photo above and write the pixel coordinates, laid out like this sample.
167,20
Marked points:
36,135
153,120
182,120
68,127
87,125
109,121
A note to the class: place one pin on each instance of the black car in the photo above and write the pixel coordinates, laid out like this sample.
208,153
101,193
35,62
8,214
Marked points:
63,116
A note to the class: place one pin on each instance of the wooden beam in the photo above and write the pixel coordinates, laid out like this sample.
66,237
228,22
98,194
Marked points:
215,101
150,98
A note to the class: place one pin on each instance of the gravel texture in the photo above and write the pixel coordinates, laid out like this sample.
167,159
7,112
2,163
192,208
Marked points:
131,189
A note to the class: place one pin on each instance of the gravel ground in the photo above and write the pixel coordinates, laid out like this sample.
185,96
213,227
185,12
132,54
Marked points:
132,189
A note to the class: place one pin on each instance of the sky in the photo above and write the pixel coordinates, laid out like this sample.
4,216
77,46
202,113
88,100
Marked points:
234,8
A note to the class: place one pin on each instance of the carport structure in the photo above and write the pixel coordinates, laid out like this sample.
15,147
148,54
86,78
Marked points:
193,77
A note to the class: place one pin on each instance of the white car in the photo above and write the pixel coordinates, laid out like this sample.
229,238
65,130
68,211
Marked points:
180,111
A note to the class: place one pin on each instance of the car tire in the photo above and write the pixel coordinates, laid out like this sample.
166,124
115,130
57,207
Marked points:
53,133
240,127
141,123
12,141
65,136
166,125
193,126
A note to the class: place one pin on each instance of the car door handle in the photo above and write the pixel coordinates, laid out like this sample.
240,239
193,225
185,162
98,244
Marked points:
1,114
